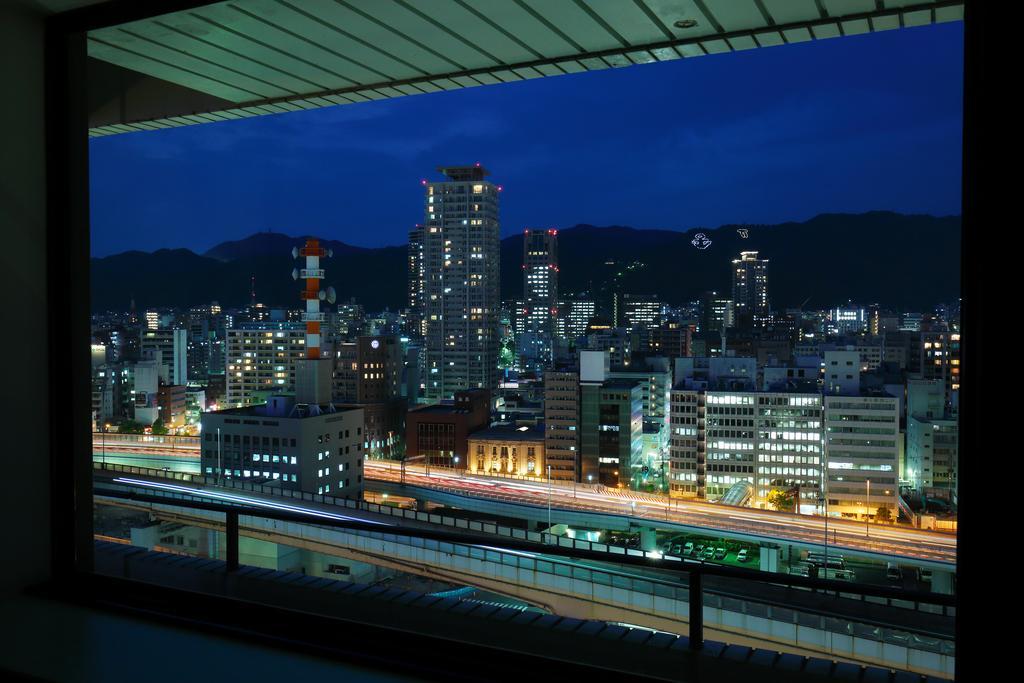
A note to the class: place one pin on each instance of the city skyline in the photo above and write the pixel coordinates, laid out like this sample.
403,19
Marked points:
887,139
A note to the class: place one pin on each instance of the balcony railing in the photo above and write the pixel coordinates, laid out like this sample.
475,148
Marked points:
470,535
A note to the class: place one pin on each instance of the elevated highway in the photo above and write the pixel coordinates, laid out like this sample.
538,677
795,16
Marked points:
586,589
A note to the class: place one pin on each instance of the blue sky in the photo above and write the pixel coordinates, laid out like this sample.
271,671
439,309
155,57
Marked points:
762,136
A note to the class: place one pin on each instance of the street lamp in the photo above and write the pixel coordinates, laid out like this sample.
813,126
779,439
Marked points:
824,502
867,513
456,463
220,464
549,498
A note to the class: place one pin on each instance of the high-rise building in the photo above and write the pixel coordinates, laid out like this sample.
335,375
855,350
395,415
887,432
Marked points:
574,314
640,310
610,423
461,261
932,437
767,440
750,286
932,456
672,340
561,421
540,289
172,346
848,319
717,313
261,360
862,432
367,375
417,283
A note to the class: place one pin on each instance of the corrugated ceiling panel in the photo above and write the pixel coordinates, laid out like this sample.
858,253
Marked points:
290,55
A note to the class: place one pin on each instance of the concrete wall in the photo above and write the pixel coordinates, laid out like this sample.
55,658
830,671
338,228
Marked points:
23,291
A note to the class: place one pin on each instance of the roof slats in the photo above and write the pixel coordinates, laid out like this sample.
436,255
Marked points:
271,56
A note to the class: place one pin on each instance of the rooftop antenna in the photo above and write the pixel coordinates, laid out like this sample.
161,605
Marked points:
252,290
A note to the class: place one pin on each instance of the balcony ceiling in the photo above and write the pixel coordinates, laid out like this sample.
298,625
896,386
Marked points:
246,58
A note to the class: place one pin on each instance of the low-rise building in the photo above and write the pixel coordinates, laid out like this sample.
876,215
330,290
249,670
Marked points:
438,433
507,450
315,448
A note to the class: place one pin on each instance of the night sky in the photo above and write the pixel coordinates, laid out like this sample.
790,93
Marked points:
762,136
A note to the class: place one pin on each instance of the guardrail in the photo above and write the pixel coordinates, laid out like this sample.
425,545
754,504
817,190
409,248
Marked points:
690,600
554,544
171,441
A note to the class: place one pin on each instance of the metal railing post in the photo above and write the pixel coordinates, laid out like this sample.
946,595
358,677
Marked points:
696,610
231,534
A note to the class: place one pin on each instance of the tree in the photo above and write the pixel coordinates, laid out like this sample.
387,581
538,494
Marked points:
883,515
130,427
780,500
159,428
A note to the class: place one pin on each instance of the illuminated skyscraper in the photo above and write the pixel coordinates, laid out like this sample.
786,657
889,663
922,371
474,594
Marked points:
461,252
414,319
750,287
540,290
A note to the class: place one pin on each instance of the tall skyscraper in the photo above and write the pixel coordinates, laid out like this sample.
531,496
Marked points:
717,312
750,286
540,290
461,260
414,323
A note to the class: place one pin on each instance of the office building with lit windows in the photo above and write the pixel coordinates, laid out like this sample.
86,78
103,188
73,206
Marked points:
172,346
768,439
750,287
561,422
261,360
416,283
540,290
862,434
367,375
848,319
461,254
315,448
574,314
640,311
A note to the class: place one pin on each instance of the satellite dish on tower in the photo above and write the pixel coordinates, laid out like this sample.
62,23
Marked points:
295,252
331,295
330,253
295,273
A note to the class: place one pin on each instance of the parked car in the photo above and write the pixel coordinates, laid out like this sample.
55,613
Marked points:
892,572
708,553
837,574
720,553
800,569
676,549
742,556
688,548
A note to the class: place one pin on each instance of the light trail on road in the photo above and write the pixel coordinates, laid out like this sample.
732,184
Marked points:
842,534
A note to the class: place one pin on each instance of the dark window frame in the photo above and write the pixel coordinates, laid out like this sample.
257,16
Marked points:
68,298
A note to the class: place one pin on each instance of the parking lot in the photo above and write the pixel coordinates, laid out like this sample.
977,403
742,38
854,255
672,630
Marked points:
717,550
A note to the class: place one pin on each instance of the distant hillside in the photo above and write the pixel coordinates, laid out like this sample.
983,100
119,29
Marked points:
899,260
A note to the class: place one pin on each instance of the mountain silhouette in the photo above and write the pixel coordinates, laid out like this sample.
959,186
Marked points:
904,261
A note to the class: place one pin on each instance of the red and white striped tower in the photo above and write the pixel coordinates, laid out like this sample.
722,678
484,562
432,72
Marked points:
312,294
313,375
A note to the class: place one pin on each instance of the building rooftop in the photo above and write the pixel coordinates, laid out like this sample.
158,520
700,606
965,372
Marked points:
285,407
510,433
462,173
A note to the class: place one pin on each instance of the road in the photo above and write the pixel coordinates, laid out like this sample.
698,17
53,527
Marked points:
936,546
842,534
